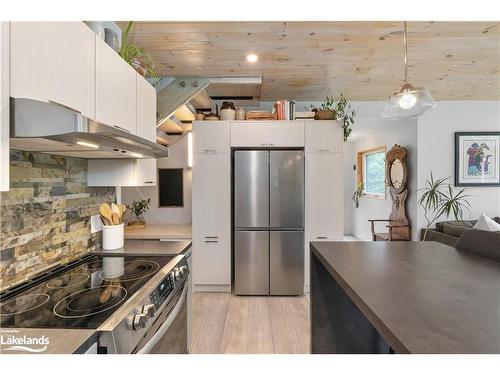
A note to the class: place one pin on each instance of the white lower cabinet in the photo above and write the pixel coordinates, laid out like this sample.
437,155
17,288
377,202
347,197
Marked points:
324,212
212,221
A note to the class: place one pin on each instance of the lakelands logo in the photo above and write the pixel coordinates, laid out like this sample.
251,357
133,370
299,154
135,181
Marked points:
11,341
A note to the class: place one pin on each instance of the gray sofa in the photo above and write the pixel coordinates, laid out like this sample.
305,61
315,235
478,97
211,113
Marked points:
448,232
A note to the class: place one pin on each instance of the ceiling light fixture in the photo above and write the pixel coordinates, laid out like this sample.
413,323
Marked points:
409,101
136,155
86,144
252,57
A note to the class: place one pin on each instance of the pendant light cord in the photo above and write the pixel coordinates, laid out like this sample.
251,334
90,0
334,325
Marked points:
405,41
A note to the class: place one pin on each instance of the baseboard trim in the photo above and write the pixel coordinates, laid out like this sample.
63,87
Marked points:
207,288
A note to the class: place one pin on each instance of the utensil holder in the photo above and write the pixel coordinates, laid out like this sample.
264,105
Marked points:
112,236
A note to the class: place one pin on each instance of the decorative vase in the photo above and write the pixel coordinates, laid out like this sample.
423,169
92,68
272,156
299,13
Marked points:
227,111
139,66
324,114
240,114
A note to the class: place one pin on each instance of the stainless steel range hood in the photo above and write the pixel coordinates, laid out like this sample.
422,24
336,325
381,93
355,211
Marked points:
55,129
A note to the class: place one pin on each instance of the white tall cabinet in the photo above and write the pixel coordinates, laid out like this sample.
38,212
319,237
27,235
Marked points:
211,207
322,142
324,207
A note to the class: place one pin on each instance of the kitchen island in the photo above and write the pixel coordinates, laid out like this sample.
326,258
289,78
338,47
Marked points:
402,297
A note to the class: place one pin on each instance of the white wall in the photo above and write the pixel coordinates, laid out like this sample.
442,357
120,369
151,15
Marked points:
379,132
436,140
166,215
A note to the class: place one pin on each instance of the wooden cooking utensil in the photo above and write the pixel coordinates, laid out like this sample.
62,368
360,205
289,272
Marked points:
123,209
106,214
116,218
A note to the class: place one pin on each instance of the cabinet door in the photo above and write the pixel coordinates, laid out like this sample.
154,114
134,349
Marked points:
323,136
28,60
324,196
116,90
145,172
146,109
324,200
71,66
267,134
211,136
211,219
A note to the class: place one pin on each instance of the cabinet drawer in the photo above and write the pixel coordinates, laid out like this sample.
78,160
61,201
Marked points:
321,136
211,262
267,134
211,136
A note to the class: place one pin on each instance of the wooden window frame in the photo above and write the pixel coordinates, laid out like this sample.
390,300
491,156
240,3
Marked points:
360,170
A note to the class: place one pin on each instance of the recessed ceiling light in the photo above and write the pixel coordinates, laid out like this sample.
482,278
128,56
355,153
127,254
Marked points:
136,155
87,144
252,57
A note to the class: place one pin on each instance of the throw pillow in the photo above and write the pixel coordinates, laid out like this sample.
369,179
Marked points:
485,223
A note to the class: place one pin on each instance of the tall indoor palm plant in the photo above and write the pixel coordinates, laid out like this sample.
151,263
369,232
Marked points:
438,198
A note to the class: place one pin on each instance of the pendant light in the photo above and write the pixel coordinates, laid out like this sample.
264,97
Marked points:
409,101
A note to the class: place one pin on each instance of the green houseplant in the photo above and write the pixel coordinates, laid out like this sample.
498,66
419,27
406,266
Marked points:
138,208
358,193
135,56
438,198
341,111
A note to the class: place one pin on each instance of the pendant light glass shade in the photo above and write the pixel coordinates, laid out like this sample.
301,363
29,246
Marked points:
409,101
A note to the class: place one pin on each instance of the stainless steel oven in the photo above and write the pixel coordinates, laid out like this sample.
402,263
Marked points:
168,333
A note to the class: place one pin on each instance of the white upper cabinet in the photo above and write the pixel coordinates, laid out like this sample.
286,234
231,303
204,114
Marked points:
323,136
146,109
29,60
145,170
211,136
71,66
116,89
267,133
54,62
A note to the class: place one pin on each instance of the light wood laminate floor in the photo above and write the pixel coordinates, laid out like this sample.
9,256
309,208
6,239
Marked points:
228,324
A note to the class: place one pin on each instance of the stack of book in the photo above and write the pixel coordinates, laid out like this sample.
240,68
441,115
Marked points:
304,115
285,109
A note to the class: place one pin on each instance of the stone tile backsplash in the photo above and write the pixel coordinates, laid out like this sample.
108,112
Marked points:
45,217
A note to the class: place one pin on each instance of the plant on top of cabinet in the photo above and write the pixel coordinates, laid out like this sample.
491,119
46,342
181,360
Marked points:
138,208
136,57
341,111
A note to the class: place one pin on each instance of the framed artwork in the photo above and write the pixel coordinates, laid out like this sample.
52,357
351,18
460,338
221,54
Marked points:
477,159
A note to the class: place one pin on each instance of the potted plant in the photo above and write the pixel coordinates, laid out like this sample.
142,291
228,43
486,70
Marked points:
136,57
138,208
340,111
439,198
358,193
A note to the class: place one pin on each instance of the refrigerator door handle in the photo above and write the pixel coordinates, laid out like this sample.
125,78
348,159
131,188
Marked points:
275,177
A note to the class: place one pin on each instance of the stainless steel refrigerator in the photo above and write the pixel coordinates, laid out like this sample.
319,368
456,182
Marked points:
268,222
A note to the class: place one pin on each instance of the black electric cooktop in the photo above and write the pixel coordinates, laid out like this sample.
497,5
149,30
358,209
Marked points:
81,295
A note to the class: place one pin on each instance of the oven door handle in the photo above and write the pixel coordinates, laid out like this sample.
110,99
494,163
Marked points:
146,349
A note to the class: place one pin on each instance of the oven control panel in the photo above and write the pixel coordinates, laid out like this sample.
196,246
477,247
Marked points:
162,291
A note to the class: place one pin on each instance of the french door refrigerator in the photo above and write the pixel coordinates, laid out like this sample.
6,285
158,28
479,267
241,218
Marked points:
268,222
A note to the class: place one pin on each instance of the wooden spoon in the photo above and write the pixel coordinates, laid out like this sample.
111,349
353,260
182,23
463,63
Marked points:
123,209
106,214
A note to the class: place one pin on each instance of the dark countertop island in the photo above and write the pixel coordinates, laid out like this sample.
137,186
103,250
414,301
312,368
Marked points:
402,297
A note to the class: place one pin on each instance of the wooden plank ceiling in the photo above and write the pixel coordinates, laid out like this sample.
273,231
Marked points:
308,60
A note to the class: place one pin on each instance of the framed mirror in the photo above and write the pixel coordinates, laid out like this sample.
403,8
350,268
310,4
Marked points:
396,172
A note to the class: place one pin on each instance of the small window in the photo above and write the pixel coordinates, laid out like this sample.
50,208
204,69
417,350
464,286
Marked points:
171,188
371,171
